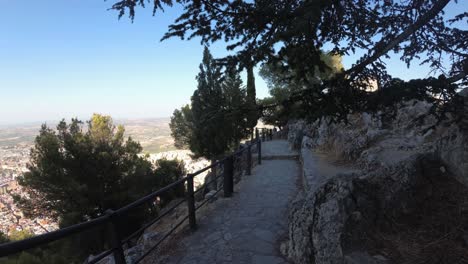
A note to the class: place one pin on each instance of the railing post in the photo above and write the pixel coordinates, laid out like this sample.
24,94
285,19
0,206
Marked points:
214,171
228,176
259,146
191,202
263,135
249,159
271,134
257,134
119,256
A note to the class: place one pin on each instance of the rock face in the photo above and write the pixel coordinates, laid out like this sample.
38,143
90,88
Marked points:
399,160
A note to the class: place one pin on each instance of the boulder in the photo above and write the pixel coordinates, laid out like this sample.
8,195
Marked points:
327,222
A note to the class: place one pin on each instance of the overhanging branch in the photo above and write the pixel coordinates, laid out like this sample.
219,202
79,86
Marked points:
381,48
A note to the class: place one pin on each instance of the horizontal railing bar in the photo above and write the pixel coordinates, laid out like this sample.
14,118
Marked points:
207,200
25,244
101,256
209,167
153,221
200,188
239,151
222,160
206,168
161,240
149,197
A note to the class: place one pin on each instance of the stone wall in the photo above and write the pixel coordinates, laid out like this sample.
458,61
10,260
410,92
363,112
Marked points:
392,157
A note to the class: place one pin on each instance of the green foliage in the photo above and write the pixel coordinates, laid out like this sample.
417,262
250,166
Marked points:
40,256
207,104
3,238
437,91
77,174
294,33
23,258
278,76
167,172
217,118
16,235
283,83
181,127
298,30
238,108
46,254
278,115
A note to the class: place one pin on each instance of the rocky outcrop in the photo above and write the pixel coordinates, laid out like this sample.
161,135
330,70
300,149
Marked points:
398,162
372,141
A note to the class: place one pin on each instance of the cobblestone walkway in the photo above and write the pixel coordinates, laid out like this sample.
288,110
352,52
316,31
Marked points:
248,227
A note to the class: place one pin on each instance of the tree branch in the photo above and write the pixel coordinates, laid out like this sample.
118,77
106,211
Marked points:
423,20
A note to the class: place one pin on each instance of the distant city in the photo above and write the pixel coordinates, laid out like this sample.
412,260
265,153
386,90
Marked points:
13,161
17,141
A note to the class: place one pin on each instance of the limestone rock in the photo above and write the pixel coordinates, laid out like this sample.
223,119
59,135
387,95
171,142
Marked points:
325,222
395,157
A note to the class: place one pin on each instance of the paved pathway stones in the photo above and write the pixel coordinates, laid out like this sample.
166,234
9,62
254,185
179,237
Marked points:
278,149
248,227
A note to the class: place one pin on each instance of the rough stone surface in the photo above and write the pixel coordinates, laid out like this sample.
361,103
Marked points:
248,227
364,258
393,157
278,148
318,167
374,141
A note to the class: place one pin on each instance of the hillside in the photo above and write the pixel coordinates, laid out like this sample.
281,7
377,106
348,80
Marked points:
154,134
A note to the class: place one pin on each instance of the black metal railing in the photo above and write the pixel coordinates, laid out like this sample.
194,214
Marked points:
229,165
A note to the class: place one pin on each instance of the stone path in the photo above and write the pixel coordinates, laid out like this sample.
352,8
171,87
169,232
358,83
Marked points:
278,149
318,168
248,227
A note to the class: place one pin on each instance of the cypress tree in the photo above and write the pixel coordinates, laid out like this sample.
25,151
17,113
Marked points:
207,101
253,115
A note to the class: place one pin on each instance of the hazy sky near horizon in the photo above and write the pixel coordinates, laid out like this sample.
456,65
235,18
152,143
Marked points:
63,59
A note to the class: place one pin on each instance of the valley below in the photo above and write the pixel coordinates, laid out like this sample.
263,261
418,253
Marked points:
16,141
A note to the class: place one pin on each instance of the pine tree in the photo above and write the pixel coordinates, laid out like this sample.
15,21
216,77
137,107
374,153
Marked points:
216,121
77,173
73,173
181,126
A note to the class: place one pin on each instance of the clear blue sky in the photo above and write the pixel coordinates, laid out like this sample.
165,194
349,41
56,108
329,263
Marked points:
61,59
